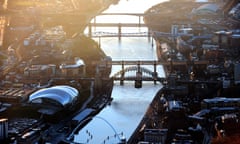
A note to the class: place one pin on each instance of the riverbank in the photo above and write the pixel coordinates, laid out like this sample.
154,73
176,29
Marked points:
42,20
202,34
38,46
162,16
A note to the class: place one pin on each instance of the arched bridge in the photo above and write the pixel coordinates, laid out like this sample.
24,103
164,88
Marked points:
144,70
137,73
128,73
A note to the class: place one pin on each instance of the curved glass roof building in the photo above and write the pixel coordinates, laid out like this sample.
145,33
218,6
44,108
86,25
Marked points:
62,95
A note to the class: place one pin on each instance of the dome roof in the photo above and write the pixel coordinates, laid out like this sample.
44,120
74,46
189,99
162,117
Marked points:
61,94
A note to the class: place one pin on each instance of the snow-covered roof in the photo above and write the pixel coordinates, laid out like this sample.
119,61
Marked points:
61,94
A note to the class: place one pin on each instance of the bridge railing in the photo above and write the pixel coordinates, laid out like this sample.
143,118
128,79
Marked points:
165,63
111,34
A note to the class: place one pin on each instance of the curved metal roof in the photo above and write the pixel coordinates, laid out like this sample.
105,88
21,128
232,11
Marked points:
62,94
207,8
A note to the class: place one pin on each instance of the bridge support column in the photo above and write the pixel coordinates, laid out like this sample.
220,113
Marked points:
155,74
152,41
119,31
99,41
95,20
139,21
122,74
149,35
90,30
138,81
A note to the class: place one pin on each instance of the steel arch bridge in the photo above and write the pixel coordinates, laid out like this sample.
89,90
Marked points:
133,73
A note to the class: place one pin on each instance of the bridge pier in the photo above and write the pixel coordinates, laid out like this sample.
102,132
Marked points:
90,30
99,41
95,20
155,74
150,37
119,31
122,74
138,81
139,21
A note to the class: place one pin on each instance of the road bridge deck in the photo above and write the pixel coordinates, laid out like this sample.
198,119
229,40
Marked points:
118,25
133,14
129,62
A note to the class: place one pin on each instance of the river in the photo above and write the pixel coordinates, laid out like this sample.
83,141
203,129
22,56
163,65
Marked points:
129,104
135,48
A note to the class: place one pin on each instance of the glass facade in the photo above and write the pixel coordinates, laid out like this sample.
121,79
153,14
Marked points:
63,94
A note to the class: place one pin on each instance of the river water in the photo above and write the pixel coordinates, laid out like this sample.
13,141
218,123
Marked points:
134,48
129,104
